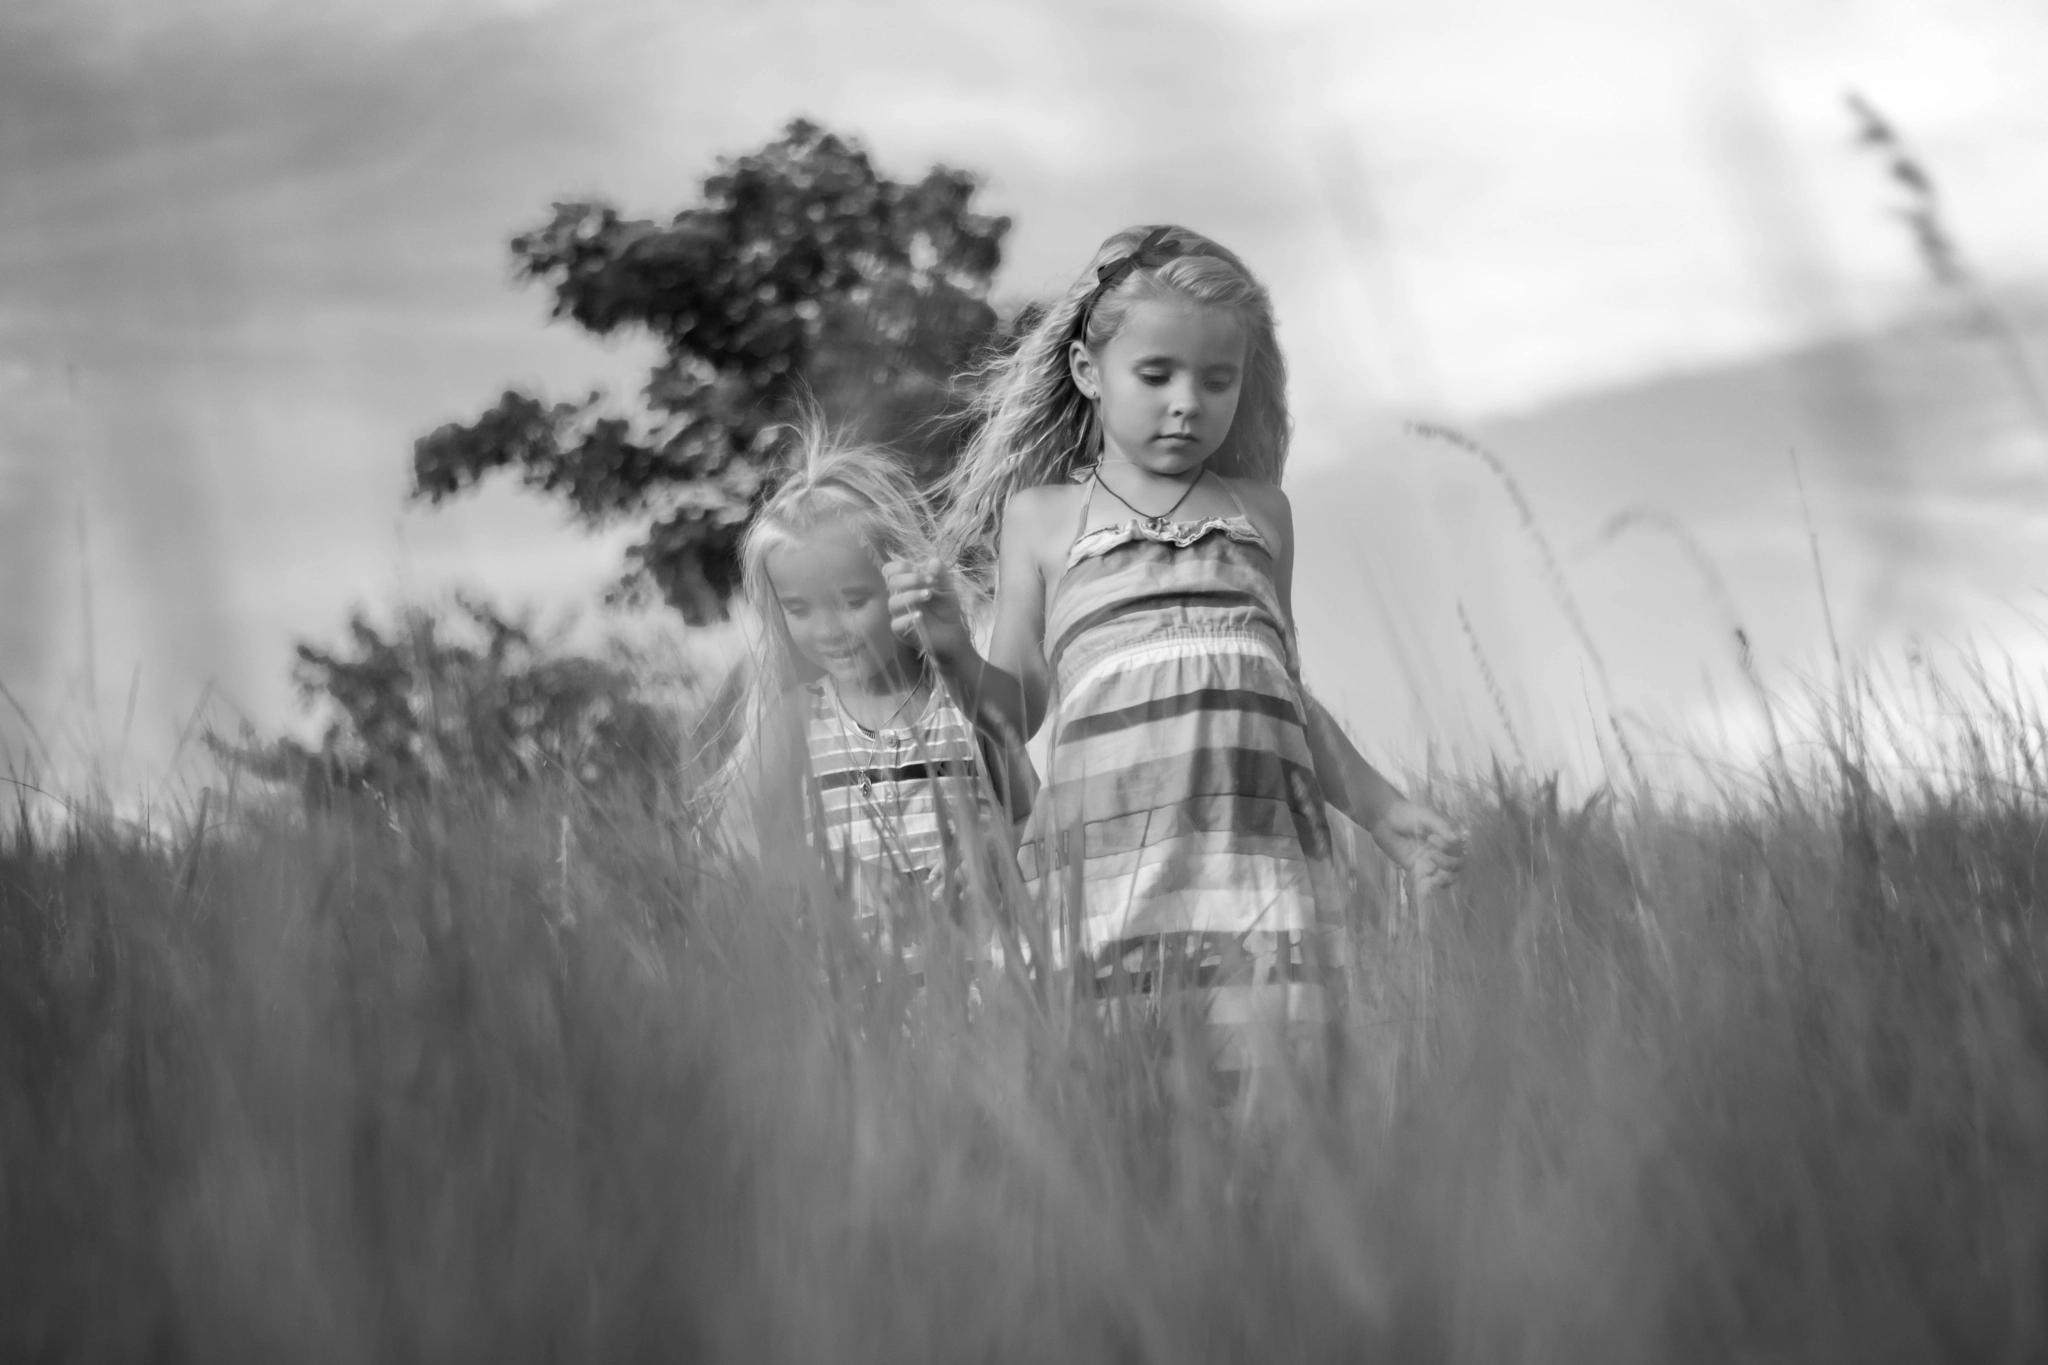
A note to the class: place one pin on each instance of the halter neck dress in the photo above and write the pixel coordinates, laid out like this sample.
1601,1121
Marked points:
1180,840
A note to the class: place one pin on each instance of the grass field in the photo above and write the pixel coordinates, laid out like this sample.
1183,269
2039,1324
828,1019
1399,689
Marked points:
1755,1079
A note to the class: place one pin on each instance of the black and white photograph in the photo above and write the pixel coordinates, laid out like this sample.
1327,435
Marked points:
891,681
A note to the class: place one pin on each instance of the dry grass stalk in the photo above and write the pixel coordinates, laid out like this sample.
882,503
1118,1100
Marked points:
1553,577
1493,690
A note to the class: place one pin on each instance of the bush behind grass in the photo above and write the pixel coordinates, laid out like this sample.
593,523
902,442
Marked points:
477,1079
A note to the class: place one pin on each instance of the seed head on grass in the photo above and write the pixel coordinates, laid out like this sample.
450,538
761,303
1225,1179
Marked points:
1922,210
1936,245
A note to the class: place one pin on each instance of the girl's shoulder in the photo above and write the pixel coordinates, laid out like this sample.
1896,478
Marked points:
1259,498
1045,499
1044,512
1268,509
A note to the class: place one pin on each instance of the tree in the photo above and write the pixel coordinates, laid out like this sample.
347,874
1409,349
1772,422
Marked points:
802,275
470,698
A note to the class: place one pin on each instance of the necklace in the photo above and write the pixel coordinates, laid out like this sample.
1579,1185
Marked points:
872,736
886,721
1155,522
888,825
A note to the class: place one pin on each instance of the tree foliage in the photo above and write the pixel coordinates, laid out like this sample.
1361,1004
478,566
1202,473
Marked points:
468,697
803,274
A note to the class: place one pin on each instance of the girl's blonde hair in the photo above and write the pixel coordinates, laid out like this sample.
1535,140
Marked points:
832,484
1036,427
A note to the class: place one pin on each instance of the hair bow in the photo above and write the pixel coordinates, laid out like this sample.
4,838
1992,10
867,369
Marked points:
1109,276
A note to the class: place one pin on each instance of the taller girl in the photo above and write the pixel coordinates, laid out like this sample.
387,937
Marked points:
1130,454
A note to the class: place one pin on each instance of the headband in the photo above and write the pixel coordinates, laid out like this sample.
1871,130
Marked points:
1108,277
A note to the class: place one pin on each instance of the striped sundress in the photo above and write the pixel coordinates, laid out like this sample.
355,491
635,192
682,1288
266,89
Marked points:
893,802
1180,839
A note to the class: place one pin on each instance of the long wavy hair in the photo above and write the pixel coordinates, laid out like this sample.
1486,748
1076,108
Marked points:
831,485
1036,427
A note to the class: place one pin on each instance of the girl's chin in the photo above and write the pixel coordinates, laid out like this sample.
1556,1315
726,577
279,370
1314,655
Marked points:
862,669
853,673
1170,459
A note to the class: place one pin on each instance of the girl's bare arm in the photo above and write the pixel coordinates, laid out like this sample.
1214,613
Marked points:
1349,782
1414,836
1006,689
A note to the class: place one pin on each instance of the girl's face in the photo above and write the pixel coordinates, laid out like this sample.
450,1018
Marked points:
836,605
1167,384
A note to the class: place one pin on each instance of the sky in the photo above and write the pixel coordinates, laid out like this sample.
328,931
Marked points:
249,250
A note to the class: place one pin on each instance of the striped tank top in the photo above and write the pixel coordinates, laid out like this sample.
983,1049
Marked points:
895,800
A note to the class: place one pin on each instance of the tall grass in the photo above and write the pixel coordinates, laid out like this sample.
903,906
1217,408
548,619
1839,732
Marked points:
479,1080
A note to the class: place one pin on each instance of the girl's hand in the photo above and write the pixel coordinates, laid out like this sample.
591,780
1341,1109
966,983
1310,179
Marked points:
1427,847
924,609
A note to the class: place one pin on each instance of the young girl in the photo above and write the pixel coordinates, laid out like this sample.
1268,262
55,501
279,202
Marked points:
859,750
1131,450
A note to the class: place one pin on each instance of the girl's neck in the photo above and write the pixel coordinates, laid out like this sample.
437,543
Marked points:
1145,493
1131,474
898,677
883,696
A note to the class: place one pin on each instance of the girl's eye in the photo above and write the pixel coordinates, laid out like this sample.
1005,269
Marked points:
1154,377
795,609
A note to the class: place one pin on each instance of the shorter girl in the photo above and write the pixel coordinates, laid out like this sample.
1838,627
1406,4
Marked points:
860,751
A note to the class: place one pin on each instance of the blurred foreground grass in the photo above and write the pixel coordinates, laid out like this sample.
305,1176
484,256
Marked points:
548,1081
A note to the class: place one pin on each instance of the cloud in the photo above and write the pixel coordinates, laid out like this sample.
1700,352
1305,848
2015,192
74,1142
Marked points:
250,249
235,171
245,259
1930,508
